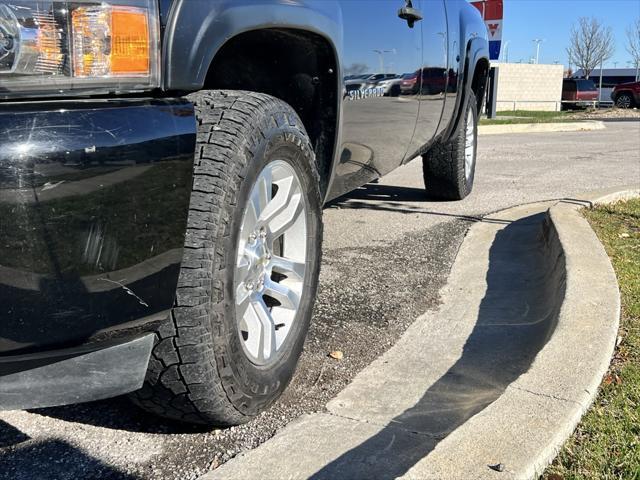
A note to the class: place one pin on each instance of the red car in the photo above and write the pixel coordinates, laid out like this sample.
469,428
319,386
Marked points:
626,95
427,81
579,92
410,84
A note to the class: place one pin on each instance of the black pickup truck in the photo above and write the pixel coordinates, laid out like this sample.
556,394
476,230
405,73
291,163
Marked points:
163,169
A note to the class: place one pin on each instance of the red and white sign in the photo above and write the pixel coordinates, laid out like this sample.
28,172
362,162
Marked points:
495,29
492,12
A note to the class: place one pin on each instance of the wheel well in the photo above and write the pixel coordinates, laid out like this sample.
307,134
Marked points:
479,82
295,66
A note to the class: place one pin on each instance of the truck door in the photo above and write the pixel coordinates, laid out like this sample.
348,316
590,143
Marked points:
378,121
437,75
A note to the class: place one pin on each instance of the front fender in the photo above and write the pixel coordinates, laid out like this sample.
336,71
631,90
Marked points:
197,29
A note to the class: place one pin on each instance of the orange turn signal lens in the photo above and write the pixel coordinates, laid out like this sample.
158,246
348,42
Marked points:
110,41
129,42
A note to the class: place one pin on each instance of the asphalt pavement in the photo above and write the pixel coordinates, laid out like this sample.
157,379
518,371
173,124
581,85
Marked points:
387,252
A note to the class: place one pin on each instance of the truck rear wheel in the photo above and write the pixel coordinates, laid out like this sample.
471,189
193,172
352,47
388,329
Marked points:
250,267
449,168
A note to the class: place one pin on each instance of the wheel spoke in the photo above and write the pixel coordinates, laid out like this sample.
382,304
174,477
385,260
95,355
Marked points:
242,297
290,268
283,294
284,209
267,339
250,219
262,192
265,309
242,268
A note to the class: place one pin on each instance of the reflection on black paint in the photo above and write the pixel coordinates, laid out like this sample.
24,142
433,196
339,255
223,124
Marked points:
93,207
394,124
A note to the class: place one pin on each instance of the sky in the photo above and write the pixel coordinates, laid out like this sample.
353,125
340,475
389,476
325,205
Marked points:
551,20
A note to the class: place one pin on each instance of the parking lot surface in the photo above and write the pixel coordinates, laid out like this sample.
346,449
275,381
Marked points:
387,252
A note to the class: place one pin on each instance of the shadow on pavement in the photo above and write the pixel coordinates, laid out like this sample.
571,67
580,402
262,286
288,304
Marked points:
118,414
10,436
376,191
518,314
54,460
384,197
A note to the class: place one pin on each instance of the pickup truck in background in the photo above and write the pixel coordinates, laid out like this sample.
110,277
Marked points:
626,95
578,93
163,168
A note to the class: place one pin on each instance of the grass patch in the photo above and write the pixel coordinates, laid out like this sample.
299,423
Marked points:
527,116
606,444
531,114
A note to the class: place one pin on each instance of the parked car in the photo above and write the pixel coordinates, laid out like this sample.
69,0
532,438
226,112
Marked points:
163,168
391,87
361,82
379,77
427,81
579,92
410,84
626,95
356,77
434,80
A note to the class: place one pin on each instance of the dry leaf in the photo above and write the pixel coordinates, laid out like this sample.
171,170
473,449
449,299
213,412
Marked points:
336,354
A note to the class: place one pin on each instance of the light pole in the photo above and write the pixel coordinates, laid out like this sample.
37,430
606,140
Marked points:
537,41
505,52
630,64
381,57
600,88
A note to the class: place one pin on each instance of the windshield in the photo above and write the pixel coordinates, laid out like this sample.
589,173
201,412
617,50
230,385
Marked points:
586,85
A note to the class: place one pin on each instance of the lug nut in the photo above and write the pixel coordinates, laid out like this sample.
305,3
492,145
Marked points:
252,238
248,286
263,233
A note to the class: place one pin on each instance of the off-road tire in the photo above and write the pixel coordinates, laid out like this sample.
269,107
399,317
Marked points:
198,371
443,166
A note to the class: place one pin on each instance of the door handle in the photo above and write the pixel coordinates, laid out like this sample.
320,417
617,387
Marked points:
410,14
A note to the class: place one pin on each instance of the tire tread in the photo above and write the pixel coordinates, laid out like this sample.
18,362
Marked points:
443,165
187,378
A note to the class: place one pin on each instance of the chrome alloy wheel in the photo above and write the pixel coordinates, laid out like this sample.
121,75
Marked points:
271,262
469,146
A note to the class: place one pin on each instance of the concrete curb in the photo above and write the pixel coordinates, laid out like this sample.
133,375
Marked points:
581,126
589,318
411,413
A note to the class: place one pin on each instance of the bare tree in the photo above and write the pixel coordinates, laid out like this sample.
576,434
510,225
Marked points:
356,69
591,44
633,42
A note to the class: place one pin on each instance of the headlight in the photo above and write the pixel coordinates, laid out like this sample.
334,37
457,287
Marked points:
83,46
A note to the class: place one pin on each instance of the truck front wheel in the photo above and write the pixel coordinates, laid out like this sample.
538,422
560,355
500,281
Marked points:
250,266
449,167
